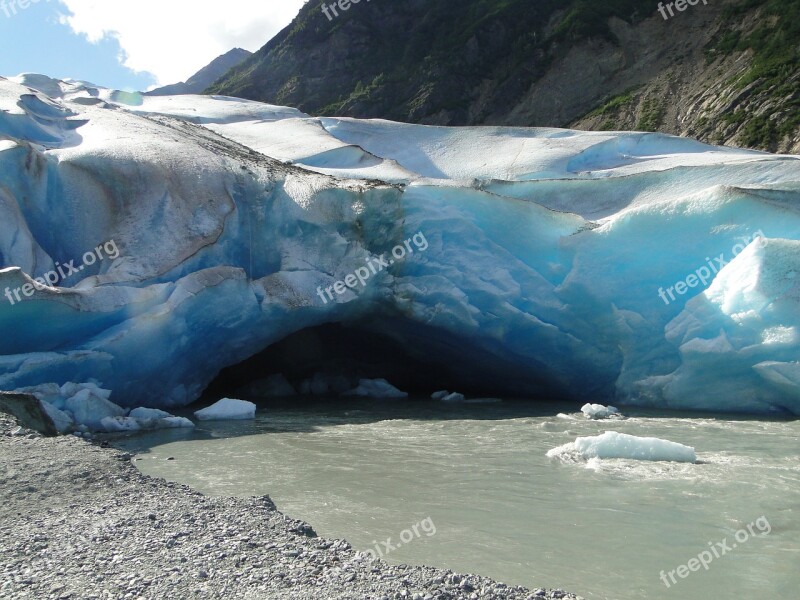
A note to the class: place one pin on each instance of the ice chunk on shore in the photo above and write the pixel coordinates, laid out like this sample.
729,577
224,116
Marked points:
142,419
598,411
612,444
146,414
376,388
440,394
454,397
153,418
62,421
227,409
118,424
90,409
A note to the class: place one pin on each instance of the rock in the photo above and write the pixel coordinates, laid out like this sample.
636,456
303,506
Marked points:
28,411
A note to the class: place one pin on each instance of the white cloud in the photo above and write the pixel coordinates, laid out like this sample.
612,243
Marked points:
173,39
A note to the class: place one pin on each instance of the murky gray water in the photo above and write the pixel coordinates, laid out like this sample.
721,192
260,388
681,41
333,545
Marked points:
371,470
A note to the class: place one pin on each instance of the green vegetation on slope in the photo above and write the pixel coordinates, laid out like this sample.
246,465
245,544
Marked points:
775,44
420,58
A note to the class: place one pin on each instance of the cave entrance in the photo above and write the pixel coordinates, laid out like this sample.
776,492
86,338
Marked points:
413,359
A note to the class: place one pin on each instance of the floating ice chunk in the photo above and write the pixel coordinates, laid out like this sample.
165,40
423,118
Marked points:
598,411
175,423
440,394
376,388
454,397
565,417
612,444
227,409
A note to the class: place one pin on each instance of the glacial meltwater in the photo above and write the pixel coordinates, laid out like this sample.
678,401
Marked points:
469,487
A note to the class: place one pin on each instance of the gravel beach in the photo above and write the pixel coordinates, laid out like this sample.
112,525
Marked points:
78,520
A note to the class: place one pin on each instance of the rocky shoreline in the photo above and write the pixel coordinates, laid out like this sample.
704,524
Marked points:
78,520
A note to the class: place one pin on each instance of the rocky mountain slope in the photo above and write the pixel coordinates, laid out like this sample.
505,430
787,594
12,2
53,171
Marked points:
725,71
205,76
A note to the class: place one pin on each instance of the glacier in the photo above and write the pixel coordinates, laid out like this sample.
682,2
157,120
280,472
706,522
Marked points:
639,268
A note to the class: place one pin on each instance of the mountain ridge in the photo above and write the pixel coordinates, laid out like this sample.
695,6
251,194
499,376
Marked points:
206,76
725,73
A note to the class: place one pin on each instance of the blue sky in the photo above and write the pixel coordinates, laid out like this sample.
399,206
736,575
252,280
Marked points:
131,44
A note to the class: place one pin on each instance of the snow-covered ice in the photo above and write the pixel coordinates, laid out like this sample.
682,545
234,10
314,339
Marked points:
227,409
612,444
547,250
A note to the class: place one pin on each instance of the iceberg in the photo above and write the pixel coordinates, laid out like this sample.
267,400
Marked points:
152,242
227,409
621,445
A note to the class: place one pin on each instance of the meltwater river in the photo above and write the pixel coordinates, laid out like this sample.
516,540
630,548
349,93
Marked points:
476,482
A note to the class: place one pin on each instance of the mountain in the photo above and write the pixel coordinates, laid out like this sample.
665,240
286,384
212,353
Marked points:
206,76
726,72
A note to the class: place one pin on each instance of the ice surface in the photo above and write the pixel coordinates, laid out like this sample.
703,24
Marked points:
620,445
227,409
376,388
551,259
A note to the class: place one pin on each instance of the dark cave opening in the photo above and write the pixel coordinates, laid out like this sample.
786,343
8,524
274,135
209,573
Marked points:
415,359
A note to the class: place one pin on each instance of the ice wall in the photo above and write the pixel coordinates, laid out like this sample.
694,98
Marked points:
639,268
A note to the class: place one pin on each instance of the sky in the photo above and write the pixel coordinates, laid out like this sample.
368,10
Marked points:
132,44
